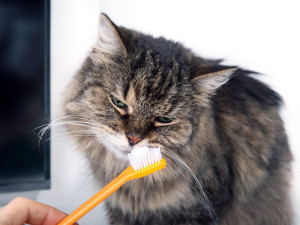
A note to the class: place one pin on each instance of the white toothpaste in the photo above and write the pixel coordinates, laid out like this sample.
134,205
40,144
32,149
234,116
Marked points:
142,157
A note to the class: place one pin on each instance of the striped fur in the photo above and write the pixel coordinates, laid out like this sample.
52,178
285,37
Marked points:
226,134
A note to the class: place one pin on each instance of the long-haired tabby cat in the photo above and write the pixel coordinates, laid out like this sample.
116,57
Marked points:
228,160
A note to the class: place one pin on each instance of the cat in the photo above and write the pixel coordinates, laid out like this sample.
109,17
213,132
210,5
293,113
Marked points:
228,159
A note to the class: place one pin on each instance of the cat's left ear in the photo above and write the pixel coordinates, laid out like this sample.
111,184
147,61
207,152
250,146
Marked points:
210,82
109,41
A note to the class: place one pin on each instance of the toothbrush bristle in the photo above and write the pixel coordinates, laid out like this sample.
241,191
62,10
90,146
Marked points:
141,158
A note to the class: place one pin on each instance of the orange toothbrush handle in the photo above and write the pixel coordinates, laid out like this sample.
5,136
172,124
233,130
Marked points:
110,188
126,175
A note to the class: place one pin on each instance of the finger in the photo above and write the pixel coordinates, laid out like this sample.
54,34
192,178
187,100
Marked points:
22,210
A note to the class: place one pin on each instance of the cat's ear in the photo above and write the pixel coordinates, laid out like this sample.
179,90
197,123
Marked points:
210,82
109,41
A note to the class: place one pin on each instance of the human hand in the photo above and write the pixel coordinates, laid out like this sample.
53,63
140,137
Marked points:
22,210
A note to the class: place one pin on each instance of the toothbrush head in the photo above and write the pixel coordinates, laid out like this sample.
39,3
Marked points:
145,160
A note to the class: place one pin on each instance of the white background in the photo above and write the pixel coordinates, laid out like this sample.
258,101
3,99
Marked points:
258,35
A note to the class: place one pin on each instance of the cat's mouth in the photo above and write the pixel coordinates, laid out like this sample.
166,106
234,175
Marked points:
126,151
121,149
129,149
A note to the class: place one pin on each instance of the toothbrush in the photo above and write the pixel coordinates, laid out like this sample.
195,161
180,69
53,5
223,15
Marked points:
143,160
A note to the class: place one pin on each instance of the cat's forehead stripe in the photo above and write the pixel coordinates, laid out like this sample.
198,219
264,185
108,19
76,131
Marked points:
130,98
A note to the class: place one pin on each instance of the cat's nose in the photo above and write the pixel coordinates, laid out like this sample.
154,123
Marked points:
133,139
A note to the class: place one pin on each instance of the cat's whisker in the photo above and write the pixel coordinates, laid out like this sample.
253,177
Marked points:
56,123
172,164
206,202
74,122
74,133
175,166
61,118
42,132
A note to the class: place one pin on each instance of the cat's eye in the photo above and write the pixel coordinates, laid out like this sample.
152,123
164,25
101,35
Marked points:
118,103
161,119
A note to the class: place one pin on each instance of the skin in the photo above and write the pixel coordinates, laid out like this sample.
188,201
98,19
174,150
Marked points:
22,210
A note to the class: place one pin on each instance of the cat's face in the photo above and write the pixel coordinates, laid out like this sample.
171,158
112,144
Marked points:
130,94
138,107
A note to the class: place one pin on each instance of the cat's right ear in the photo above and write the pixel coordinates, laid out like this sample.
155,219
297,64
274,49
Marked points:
109,41
210,82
